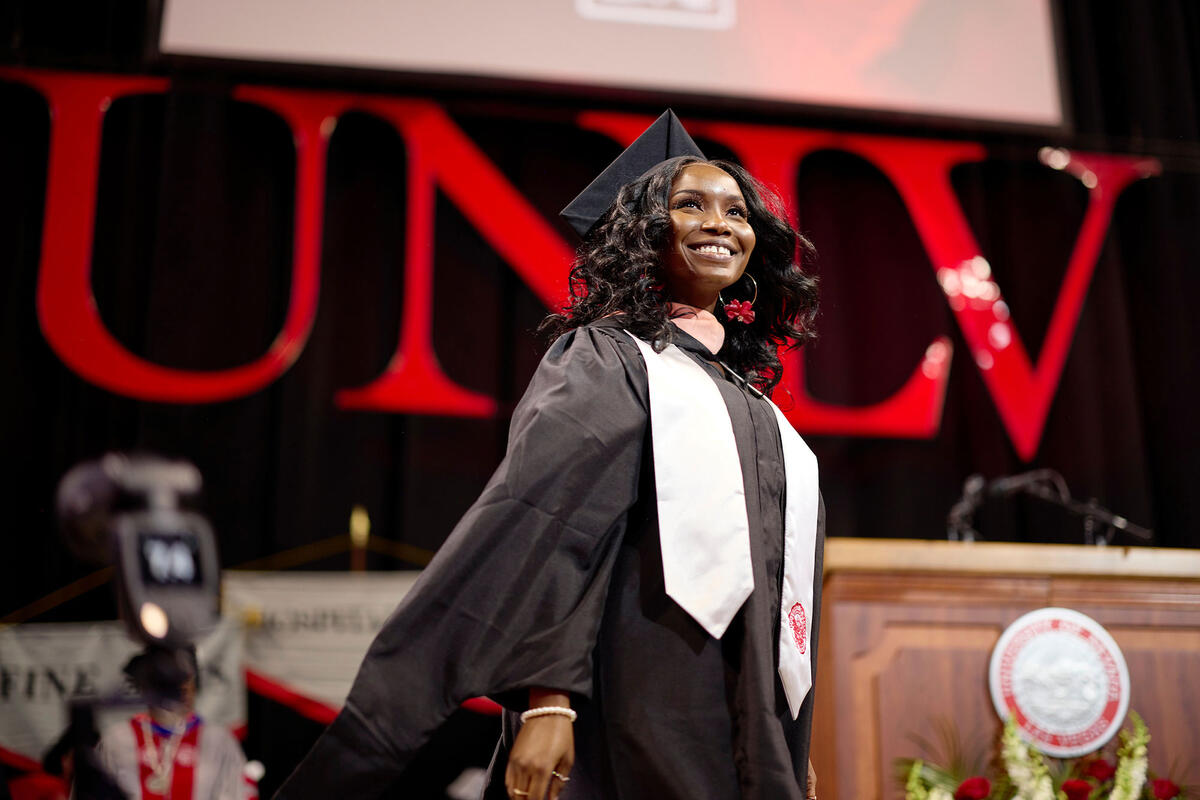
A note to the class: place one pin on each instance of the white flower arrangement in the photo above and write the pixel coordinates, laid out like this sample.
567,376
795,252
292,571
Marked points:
914,789
1025,767
1024,773
1131,766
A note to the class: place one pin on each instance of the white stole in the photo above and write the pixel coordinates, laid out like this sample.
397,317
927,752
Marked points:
703,527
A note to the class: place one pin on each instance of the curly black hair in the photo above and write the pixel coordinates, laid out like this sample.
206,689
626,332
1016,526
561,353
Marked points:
618,270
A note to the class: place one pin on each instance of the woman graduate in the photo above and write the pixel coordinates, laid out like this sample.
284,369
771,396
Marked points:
639,582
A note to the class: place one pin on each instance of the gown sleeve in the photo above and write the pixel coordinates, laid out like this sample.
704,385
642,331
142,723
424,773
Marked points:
514,597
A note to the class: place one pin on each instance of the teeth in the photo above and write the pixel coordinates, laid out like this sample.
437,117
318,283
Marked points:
714,249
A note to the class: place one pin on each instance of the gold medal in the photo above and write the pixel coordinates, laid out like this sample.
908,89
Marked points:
157,783
161,763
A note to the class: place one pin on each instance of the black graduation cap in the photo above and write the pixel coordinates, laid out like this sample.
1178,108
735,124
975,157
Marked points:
665,138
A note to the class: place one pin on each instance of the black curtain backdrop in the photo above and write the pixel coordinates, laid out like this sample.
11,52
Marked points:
192,259
193,252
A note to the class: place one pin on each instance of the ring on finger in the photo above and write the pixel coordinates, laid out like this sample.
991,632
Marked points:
520,792
559,775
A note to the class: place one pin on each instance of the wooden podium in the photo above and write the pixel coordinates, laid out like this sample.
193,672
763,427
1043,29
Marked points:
907,630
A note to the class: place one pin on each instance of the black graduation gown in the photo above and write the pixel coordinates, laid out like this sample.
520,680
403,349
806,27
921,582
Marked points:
553,579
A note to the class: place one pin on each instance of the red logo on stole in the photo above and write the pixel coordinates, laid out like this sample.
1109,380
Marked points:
799,626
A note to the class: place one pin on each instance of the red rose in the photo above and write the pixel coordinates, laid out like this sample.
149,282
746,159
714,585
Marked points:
1163,789
976,788
1101,770
1076,789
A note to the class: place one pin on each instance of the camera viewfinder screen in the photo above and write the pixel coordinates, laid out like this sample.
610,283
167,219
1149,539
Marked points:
170,559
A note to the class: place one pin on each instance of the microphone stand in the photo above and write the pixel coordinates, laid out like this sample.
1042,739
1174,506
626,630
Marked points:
1092,513
1047,485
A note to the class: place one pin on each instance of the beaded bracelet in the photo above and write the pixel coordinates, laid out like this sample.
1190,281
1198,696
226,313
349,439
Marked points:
546,711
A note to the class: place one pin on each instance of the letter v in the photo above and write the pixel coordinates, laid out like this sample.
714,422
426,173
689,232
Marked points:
1022,392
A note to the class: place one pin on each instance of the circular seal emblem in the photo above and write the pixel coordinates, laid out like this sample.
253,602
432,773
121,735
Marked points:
1064,678
799,624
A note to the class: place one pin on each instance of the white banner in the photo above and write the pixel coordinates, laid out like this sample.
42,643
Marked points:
43,666
307,632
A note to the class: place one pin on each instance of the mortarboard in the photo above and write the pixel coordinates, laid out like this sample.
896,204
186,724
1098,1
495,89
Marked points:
665,138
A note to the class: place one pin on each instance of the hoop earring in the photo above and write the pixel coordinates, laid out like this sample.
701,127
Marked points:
742,311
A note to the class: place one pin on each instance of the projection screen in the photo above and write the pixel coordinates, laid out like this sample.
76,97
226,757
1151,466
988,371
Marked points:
974,59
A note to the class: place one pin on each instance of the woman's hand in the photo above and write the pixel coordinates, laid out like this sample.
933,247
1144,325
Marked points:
544,745
811,792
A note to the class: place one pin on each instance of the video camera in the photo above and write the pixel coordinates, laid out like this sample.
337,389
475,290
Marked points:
128,511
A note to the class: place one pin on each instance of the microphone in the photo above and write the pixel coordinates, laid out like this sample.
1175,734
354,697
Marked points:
960,518
1050,486
1003,487
1026,481
973,486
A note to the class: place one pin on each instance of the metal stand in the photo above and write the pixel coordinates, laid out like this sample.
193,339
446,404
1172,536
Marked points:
1100,525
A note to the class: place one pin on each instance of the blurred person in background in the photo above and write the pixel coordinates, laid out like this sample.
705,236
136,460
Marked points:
55,780
638,585
168,752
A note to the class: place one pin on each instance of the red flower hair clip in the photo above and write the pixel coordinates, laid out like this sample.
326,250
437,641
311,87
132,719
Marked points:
741,311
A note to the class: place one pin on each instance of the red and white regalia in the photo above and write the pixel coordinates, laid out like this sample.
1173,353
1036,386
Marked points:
193,762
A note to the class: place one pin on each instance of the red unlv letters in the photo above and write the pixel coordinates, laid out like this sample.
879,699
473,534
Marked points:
441,157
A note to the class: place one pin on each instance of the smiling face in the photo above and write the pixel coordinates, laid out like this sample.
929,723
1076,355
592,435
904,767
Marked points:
710,240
